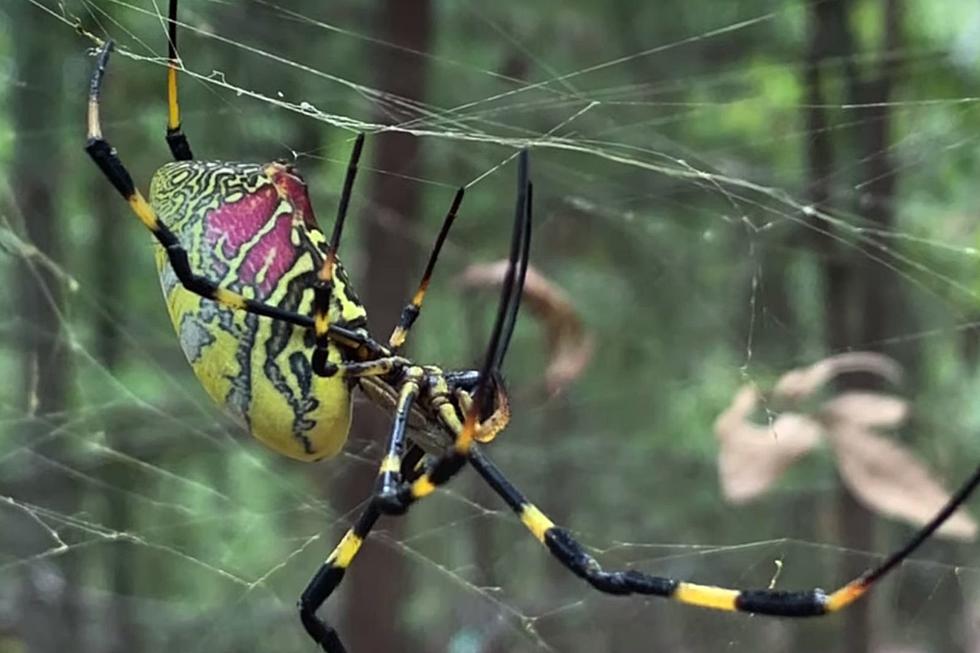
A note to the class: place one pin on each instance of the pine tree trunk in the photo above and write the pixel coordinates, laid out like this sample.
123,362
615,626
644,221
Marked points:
376,588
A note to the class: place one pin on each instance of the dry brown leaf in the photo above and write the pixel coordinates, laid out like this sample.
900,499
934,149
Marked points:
804,381
570,345
881,473
752,456
890,480
866,409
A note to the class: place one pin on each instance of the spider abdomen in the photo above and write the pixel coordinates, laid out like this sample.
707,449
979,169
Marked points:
250,228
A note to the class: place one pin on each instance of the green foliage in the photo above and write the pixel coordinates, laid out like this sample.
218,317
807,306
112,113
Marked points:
672,188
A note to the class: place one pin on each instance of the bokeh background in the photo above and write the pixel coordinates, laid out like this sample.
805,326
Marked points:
726,191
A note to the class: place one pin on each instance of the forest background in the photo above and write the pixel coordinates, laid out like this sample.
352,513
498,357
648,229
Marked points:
726,191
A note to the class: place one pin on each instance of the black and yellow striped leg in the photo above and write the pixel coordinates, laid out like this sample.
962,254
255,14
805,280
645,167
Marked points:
395,495
323,286
392,465
451,462
411,311
176,140
331,573
398,500
781,603
105,157
376,367
329,576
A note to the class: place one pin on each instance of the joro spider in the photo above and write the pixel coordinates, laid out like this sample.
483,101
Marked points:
268,320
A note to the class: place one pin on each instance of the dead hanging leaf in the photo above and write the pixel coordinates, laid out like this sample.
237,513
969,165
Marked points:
882,474
802,382
570,344
866,409
891,481
751,456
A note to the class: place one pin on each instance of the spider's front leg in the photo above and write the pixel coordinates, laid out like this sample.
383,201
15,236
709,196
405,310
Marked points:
176,140
395,494
108,161
443,468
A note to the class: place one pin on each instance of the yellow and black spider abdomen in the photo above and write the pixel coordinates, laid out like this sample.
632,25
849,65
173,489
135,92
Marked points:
250,228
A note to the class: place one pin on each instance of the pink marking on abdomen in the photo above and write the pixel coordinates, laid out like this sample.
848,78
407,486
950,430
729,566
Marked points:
233,225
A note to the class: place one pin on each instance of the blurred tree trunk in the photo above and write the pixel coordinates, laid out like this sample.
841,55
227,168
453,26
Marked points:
832,40
377,589
884,311
862,300
51,617
820,166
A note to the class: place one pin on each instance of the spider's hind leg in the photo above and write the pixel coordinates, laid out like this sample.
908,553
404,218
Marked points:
331,573
781,603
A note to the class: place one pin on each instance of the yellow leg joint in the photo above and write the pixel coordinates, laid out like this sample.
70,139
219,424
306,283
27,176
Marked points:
422,487
536,521
846,595
321,323
465,438
346,550
706,596
448,415
390,464
143,211
397,338
229,298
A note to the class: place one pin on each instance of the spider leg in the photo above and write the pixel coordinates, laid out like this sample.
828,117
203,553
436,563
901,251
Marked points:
373,367
411,311
518,290
463,379
331,573
106,158
176,139
329,576
781,603
393,463
443,468
323,286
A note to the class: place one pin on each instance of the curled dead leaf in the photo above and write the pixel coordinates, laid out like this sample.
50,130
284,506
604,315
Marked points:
866,409
569,343
802,382
880,472
890,480
751,456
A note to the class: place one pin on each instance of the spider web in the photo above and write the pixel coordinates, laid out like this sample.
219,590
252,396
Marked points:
671,203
